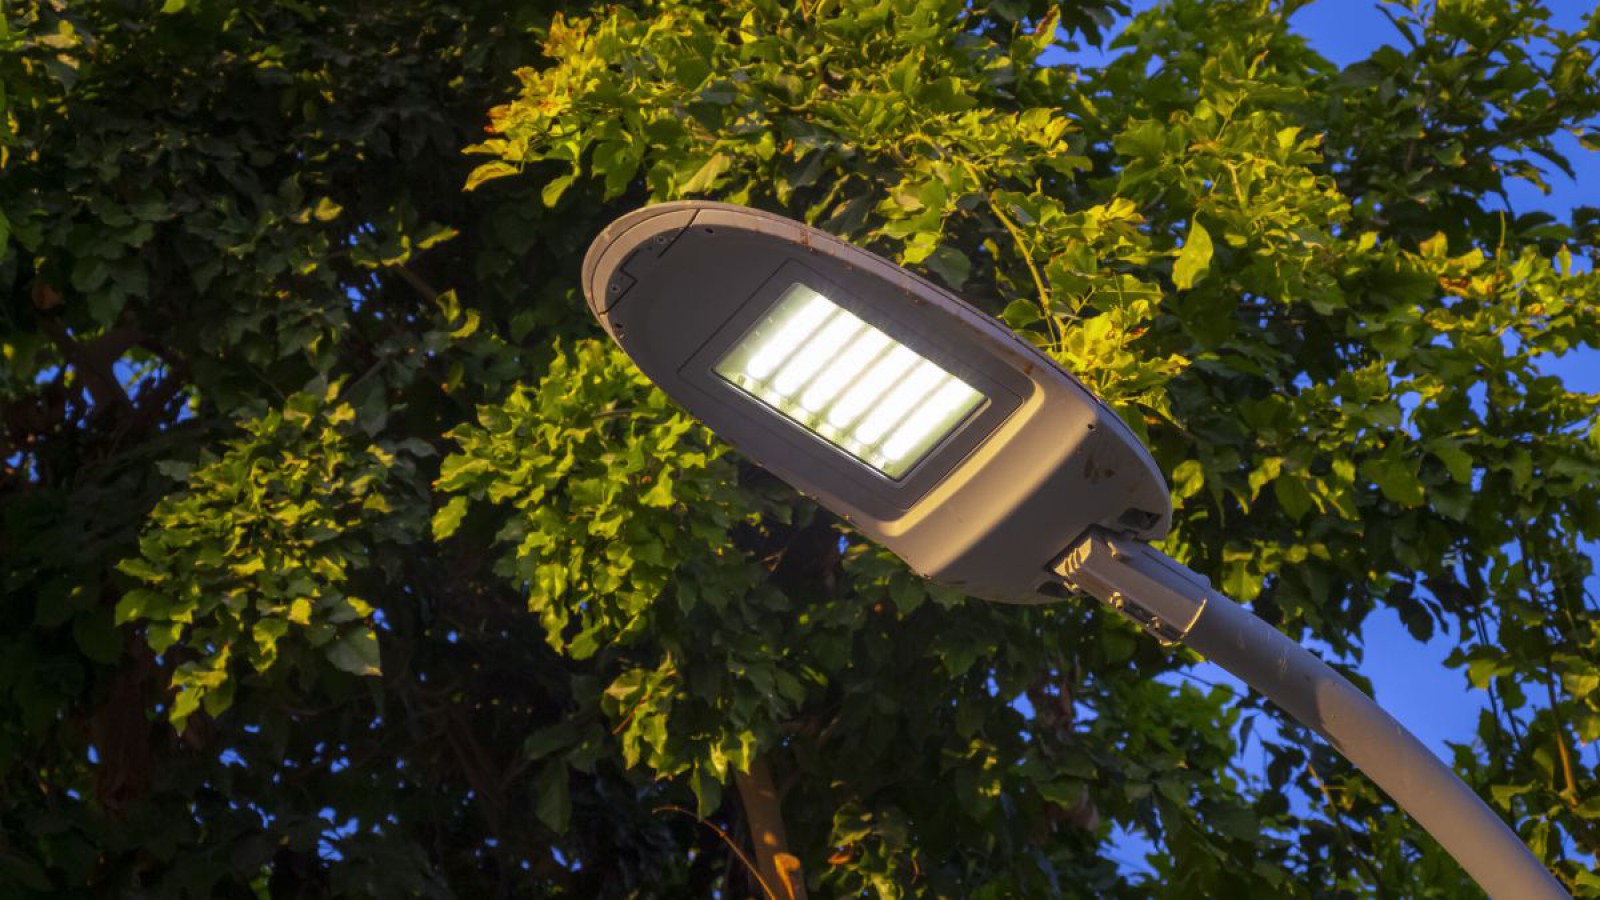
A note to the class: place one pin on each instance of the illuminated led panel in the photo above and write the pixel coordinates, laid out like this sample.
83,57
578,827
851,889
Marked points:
847,382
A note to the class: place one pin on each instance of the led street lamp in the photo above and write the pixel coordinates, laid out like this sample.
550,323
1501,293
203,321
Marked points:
939,433
929,426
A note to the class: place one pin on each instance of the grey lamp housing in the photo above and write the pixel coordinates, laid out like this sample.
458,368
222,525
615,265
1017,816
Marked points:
990,506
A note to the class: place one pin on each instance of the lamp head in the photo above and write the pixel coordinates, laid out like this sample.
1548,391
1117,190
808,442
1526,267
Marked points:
929,426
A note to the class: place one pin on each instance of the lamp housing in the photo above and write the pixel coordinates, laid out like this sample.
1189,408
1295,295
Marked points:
924,423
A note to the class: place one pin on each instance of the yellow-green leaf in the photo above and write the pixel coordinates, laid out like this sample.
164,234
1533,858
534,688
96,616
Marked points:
1194,259
489,171
467,327
326,210
706,175
1187,479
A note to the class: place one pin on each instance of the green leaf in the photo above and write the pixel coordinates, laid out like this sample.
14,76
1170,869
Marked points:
1395,478
177,470
266,633
105,305
660,495
1456,460
24,873
1503,793
1194,260
1292,495
139,604
1580,684
219,699
554,804
1486,668
162,636
951,265
621,690
707,791
140,568
173,6
1521,468
548,740
97,636
356,652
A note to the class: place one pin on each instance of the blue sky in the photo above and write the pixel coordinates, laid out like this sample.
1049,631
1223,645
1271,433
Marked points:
1409,678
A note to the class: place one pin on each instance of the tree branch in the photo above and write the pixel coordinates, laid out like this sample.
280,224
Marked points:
94,360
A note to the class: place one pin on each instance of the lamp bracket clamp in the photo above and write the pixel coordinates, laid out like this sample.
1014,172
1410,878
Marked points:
1141,583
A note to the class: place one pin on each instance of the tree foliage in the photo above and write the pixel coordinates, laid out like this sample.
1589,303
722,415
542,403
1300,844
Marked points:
341,556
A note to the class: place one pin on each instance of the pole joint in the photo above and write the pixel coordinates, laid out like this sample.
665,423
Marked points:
1144,585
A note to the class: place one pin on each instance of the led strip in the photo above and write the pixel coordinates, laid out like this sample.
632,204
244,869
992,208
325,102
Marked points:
824,368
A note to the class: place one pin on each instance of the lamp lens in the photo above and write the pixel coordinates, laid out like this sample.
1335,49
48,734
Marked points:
821,366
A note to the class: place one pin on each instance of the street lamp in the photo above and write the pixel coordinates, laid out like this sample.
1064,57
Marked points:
939,433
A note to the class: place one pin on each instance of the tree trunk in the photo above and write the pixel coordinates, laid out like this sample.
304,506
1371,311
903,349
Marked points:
779,868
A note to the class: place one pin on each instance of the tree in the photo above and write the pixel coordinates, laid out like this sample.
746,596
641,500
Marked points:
342,556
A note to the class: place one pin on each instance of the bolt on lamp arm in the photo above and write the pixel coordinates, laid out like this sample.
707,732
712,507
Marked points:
1178,605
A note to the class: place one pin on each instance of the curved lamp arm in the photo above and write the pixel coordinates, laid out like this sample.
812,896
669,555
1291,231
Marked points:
1178,605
